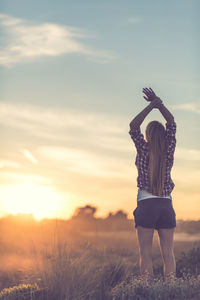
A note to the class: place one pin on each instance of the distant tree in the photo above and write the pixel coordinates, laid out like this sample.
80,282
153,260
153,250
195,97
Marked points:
110,215
121,214
118,215
87,211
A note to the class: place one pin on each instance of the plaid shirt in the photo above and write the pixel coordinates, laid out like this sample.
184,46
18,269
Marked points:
142,157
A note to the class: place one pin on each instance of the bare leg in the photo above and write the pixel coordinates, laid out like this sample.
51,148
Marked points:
145,238
166,237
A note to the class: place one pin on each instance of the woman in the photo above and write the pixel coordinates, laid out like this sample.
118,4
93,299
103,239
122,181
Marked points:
154,210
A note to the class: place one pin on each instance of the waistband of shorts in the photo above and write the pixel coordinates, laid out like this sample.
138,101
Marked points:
155,200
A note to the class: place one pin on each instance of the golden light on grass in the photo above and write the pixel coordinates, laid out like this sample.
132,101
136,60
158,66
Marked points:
30,198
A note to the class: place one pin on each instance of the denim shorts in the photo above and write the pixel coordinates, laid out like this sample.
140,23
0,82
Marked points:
155,213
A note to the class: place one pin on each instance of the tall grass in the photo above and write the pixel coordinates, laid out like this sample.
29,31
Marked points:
86,275
63,271
92,274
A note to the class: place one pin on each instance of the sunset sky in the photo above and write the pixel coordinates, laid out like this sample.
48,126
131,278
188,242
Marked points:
72,74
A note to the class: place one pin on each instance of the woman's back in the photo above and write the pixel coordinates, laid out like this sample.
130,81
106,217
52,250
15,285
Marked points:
142,158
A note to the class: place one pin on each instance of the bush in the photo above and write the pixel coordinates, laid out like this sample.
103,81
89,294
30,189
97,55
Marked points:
189,262
22,292
184,288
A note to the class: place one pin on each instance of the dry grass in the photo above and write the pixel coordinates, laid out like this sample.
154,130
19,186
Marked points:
96,266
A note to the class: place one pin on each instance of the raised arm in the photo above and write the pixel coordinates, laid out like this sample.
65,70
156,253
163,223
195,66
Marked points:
137,121
150,96
166,113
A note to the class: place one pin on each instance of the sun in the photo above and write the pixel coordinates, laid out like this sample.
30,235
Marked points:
30,198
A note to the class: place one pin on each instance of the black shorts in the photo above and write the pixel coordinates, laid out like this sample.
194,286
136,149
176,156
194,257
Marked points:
155,213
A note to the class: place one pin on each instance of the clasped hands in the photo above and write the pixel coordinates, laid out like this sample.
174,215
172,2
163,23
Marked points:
155,101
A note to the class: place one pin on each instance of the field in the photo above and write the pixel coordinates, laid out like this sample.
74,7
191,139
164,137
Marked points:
50,262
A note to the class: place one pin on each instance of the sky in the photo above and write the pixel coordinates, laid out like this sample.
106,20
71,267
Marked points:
72,74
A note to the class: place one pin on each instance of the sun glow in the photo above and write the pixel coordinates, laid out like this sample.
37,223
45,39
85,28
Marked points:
30,198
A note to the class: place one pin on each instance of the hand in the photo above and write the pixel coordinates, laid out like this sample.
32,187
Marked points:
156,103
149,93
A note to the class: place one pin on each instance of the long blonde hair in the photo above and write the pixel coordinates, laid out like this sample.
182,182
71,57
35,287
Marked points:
155,136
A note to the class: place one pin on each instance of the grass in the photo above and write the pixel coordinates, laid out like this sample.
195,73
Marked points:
86,276
88,271
95,275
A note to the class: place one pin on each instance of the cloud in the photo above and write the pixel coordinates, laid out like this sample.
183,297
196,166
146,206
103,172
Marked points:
187,154
65,124
78,141
9,21
17,177
29,156
25,41
9,164
181,174
85,162
134,20
193,107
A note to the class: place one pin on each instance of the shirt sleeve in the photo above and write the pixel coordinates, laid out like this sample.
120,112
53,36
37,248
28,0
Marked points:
171,138
138,138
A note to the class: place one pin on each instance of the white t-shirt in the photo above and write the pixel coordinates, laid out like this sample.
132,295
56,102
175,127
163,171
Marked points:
143,194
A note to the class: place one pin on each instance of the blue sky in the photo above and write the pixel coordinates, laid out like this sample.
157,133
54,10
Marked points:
72,74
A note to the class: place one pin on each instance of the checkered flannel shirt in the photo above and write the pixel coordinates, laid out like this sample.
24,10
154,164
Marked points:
142,157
